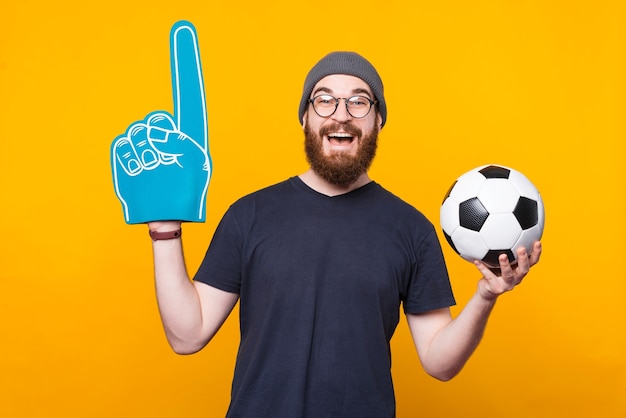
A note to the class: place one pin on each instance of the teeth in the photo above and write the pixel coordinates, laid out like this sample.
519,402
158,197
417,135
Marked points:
340,135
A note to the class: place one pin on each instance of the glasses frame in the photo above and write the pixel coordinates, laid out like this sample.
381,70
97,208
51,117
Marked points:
372,103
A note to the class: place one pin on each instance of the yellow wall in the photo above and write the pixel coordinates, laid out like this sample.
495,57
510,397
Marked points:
536,85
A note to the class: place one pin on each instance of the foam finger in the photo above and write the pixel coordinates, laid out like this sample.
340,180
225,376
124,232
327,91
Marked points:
190,111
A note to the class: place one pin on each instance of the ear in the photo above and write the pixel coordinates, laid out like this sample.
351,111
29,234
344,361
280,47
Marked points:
304,119
379,120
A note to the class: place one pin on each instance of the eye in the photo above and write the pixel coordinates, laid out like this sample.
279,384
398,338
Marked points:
325,100
358,101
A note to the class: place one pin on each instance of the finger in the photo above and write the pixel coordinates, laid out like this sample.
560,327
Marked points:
190,111
138,136
535,255
162,120
523,263
125,157
506,269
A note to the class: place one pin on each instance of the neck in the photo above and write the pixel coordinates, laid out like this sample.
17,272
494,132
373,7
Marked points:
322,186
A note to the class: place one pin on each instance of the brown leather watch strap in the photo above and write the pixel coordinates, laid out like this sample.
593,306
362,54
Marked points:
158,236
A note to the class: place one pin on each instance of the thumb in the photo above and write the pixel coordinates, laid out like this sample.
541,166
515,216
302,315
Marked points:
185,148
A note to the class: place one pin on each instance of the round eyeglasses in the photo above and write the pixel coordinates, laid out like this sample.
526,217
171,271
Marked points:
357,106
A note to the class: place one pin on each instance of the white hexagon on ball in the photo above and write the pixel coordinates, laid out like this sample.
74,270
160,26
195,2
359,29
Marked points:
501,231
498,196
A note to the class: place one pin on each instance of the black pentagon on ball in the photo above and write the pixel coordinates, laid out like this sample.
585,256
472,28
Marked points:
472,214
491,258
526,212
495,172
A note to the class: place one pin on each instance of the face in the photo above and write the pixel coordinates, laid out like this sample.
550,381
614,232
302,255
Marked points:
340,148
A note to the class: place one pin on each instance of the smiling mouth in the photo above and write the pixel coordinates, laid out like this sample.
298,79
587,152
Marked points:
340,138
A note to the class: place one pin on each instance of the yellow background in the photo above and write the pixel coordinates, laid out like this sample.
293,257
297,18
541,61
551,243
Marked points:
535,85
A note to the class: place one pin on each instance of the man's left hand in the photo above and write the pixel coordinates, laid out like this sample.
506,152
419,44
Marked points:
497,281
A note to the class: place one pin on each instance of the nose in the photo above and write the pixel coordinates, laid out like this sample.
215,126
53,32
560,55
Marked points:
341,113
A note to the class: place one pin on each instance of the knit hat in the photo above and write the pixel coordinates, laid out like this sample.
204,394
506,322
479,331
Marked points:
349,63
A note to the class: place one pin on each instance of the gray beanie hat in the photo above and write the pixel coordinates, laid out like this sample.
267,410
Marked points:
349,63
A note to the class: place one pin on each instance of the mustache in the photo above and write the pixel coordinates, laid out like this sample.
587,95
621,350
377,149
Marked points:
344,127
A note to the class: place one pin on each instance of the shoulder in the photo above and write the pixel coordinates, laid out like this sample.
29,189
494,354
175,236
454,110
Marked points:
398,207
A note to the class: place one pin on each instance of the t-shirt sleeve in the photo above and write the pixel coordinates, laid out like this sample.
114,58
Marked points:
221,266
429,287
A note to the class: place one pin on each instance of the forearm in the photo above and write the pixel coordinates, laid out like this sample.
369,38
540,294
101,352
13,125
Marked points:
453,345
178,300
445,344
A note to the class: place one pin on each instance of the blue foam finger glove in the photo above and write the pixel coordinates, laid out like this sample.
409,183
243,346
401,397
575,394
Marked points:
161,165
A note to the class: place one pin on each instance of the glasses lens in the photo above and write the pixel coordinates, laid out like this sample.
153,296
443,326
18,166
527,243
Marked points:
358,106
324,105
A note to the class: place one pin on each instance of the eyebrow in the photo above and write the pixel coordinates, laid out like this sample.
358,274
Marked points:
356,91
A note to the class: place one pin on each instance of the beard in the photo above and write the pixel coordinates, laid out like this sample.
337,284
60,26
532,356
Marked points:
340,168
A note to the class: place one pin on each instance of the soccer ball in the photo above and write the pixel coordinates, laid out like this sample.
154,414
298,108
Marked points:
492,210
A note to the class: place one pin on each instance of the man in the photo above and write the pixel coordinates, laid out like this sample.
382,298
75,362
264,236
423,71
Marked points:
321,264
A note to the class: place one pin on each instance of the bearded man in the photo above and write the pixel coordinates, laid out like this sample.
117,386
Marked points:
321,264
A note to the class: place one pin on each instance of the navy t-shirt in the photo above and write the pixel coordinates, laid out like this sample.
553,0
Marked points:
321,280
